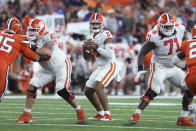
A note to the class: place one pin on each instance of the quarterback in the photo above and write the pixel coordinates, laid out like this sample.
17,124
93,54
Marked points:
100,43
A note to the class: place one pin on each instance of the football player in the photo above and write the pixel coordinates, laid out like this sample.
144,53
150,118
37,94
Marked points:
58,67
100,43
187,52
165,40
11,45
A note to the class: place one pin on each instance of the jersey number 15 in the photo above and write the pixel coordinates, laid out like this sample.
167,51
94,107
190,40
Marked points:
4,46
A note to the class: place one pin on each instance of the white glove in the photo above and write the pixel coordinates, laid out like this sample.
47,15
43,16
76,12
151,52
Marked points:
139,75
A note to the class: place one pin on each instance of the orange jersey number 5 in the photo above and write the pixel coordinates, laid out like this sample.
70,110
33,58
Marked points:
4,46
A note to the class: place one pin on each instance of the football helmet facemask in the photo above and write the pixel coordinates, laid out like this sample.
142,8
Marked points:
96,22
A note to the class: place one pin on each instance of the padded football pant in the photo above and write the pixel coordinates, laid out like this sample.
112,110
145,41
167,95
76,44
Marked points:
159,73
4,70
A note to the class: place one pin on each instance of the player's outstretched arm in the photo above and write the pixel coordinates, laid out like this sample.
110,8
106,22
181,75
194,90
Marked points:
147,47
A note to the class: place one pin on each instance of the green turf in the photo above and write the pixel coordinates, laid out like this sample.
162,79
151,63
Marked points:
56,115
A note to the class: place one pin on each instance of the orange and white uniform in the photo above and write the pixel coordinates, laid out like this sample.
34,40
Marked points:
162,67
107,69
189,49
11,45
58,67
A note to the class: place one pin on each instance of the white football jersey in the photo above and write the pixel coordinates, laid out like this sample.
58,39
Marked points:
99,40
166,47
57,57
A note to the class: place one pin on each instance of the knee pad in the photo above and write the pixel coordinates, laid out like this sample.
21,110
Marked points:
66,94
149,95
32,93
187,98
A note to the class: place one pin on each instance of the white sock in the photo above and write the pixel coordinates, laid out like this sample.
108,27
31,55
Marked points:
184,113
27,110
107,112
101,113
139,111
78,108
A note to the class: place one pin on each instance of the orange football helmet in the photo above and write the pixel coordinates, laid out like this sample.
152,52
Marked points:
14,26
194,32
35,29
166,24
96,22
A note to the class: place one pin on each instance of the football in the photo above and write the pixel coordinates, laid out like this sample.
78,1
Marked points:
87,45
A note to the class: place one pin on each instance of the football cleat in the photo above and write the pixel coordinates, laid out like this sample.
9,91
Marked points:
96,117
81,116
184,121
24,118
106,117
134,119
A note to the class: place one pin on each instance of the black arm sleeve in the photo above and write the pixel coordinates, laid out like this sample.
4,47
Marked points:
33,47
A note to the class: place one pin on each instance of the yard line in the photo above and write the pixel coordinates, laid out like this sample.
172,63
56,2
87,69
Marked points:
84,97
100,126
112,103
49,119
59,108
53,113
151,104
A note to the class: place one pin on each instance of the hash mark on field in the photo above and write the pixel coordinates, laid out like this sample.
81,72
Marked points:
100,126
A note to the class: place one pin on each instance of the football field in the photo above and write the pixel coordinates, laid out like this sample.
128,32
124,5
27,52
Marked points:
53,114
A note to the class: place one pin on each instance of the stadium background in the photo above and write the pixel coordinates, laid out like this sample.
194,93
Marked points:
131,20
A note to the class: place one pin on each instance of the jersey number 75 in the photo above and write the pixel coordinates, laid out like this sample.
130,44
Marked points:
4,46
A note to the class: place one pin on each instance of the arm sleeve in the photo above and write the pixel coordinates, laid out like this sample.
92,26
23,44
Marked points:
27,52
107,50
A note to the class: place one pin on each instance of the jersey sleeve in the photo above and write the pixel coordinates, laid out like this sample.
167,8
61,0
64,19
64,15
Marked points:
152,36
106,35
25,50
180,29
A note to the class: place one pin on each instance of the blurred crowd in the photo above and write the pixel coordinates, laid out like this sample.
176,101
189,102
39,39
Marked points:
128,20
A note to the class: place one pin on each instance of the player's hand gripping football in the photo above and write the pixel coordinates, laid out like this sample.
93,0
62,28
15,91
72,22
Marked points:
89,46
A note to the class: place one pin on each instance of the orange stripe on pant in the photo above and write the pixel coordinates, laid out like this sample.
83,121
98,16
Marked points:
70,68
151,75
111,68
111,74
67,74
4,70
